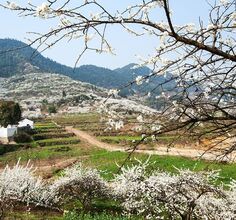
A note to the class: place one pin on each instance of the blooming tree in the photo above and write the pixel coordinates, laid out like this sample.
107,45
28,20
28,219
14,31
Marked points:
186,195
19,185
152,195
83,184
197,59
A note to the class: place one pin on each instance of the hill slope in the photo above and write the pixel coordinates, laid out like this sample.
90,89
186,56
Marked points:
14,62
21,55
35,89
27,60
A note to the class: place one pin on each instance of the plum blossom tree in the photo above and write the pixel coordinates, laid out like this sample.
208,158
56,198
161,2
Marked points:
152,195
197,59
83,184
186,195
19,185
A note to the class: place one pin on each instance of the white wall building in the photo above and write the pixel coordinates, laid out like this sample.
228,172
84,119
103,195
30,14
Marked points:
8,132
11,130
26,122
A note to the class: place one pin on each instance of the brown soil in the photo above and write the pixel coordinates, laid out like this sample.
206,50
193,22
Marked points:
193,151
46,168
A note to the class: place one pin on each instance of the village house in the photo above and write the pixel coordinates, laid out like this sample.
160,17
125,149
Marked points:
11,130
8,132
26,123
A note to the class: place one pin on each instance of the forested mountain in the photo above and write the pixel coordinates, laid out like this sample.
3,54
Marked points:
15,55
18,58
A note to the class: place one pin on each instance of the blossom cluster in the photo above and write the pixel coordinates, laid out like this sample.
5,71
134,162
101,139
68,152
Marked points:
43,10
83,184
19,184
151,195
186,194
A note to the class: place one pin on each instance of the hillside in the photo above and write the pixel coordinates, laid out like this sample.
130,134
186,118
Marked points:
14,61
37,89
22,59
20,55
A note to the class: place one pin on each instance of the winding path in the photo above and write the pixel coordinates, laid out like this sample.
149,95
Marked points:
184,152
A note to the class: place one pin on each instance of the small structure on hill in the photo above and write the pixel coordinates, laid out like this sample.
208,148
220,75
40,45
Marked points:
26,123
8,132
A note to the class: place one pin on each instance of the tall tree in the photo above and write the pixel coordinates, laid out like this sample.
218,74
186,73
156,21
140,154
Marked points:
10,113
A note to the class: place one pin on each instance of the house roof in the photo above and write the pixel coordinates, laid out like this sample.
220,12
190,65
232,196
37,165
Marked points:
26,120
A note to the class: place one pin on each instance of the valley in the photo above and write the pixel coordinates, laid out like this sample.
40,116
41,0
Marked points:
81,119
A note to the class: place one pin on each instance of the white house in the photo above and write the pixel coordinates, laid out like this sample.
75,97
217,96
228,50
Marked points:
8,132
25,123
11,130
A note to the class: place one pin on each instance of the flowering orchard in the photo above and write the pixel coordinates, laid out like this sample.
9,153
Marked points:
138,192
197,59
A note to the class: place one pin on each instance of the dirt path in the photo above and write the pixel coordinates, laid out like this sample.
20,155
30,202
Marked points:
92,140
46,168
162,150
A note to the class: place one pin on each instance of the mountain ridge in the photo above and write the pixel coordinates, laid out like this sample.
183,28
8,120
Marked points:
24,53
20,61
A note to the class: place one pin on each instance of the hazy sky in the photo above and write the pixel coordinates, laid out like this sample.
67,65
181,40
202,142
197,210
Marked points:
126,45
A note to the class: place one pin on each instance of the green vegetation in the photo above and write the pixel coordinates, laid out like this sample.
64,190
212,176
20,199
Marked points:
52,145
52,109
9,148
78,119
67,216
97,216
22,137
10,113
118,139
14,61
57,141
50,135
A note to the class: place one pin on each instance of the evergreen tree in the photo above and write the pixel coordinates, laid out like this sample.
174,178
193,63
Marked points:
10,113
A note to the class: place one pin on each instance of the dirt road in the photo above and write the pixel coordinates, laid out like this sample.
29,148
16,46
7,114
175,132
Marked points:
185,152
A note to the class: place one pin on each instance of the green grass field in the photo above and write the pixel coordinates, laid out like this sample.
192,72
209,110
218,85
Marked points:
53,145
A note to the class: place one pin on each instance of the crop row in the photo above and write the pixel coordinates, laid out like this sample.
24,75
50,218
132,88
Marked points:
51,135
58,141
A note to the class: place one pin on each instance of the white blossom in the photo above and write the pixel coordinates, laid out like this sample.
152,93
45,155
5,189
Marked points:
113,92
233,15
224,2
139,80
81,183
43,10
12,5
140,118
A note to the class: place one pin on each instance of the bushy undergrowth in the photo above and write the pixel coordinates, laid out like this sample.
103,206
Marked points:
139,192
23,137
49,135
58,141
96,216
9,148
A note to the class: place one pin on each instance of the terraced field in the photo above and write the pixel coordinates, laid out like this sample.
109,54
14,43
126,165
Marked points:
51,145
124,137
54,149
104,160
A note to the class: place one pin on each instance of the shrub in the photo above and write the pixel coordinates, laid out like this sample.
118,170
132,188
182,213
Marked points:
22,137
83,184
19,185
186,195
52,109
27,129
9,148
